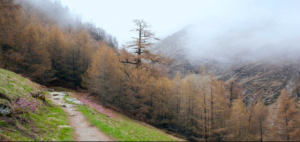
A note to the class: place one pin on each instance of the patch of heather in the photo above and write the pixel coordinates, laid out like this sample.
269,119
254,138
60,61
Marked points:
97,107
27,103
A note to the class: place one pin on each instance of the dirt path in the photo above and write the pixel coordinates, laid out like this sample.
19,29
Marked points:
82,128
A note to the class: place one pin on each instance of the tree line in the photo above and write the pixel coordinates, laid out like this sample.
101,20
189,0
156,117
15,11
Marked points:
38,46
198,106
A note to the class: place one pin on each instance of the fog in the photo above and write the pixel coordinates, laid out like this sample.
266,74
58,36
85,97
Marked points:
220,30
53,9
116,16
245,31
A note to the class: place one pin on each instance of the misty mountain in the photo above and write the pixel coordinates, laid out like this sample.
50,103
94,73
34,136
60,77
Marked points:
260,77
173,47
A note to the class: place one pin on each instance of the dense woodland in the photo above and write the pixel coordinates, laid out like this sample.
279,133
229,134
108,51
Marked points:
53,48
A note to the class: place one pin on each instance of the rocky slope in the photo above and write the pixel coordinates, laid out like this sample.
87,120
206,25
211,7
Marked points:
173,47
266,80
261,78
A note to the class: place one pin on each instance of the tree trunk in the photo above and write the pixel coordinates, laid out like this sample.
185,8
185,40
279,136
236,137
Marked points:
261,130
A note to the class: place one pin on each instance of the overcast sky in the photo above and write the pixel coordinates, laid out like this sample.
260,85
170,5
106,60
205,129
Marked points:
222,29
115,16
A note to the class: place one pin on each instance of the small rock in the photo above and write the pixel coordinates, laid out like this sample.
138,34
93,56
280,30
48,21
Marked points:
63,94
67,93
5,111
64,126
58,94
71,99
72,115
69,106
78,102
57,98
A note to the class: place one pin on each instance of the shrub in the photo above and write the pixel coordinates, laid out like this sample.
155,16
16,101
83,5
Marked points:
27,103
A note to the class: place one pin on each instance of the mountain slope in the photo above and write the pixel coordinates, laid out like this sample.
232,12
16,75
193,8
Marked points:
173,47
259,78
265,80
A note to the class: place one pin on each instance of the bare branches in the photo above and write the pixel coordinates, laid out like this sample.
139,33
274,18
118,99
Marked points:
127,62
142,42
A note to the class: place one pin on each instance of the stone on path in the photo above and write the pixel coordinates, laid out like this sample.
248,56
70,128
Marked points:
57,98
67,105
78,102
74,100
71,99
59,93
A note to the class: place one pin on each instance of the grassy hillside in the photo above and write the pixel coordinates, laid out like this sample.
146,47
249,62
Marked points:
41,124
15,85
44,123
124,129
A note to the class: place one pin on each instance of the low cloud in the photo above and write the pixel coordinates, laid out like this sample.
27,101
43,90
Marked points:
246,31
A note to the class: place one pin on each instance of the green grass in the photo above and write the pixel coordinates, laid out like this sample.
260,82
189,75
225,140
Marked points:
123,129
2,123
43,124
15,85
49,119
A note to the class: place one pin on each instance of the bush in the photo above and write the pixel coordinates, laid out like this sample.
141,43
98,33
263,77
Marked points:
27,103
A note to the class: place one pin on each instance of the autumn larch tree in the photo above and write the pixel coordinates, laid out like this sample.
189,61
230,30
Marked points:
142,42
237,124
286,125
103,75
9,21
258,120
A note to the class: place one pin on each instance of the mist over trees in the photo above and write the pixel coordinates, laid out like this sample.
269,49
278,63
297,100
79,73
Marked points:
35,42
42,40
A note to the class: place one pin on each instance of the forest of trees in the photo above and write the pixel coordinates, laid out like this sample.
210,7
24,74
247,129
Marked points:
37,45
79,55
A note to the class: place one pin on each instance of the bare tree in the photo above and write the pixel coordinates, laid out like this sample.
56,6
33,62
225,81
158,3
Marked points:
142,42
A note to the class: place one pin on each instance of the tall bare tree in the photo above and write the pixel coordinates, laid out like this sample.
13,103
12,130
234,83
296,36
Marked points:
142,42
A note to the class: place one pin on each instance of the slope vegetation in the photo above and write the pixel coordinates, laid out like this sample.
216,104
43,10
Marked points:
124,128
49,122
30,118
